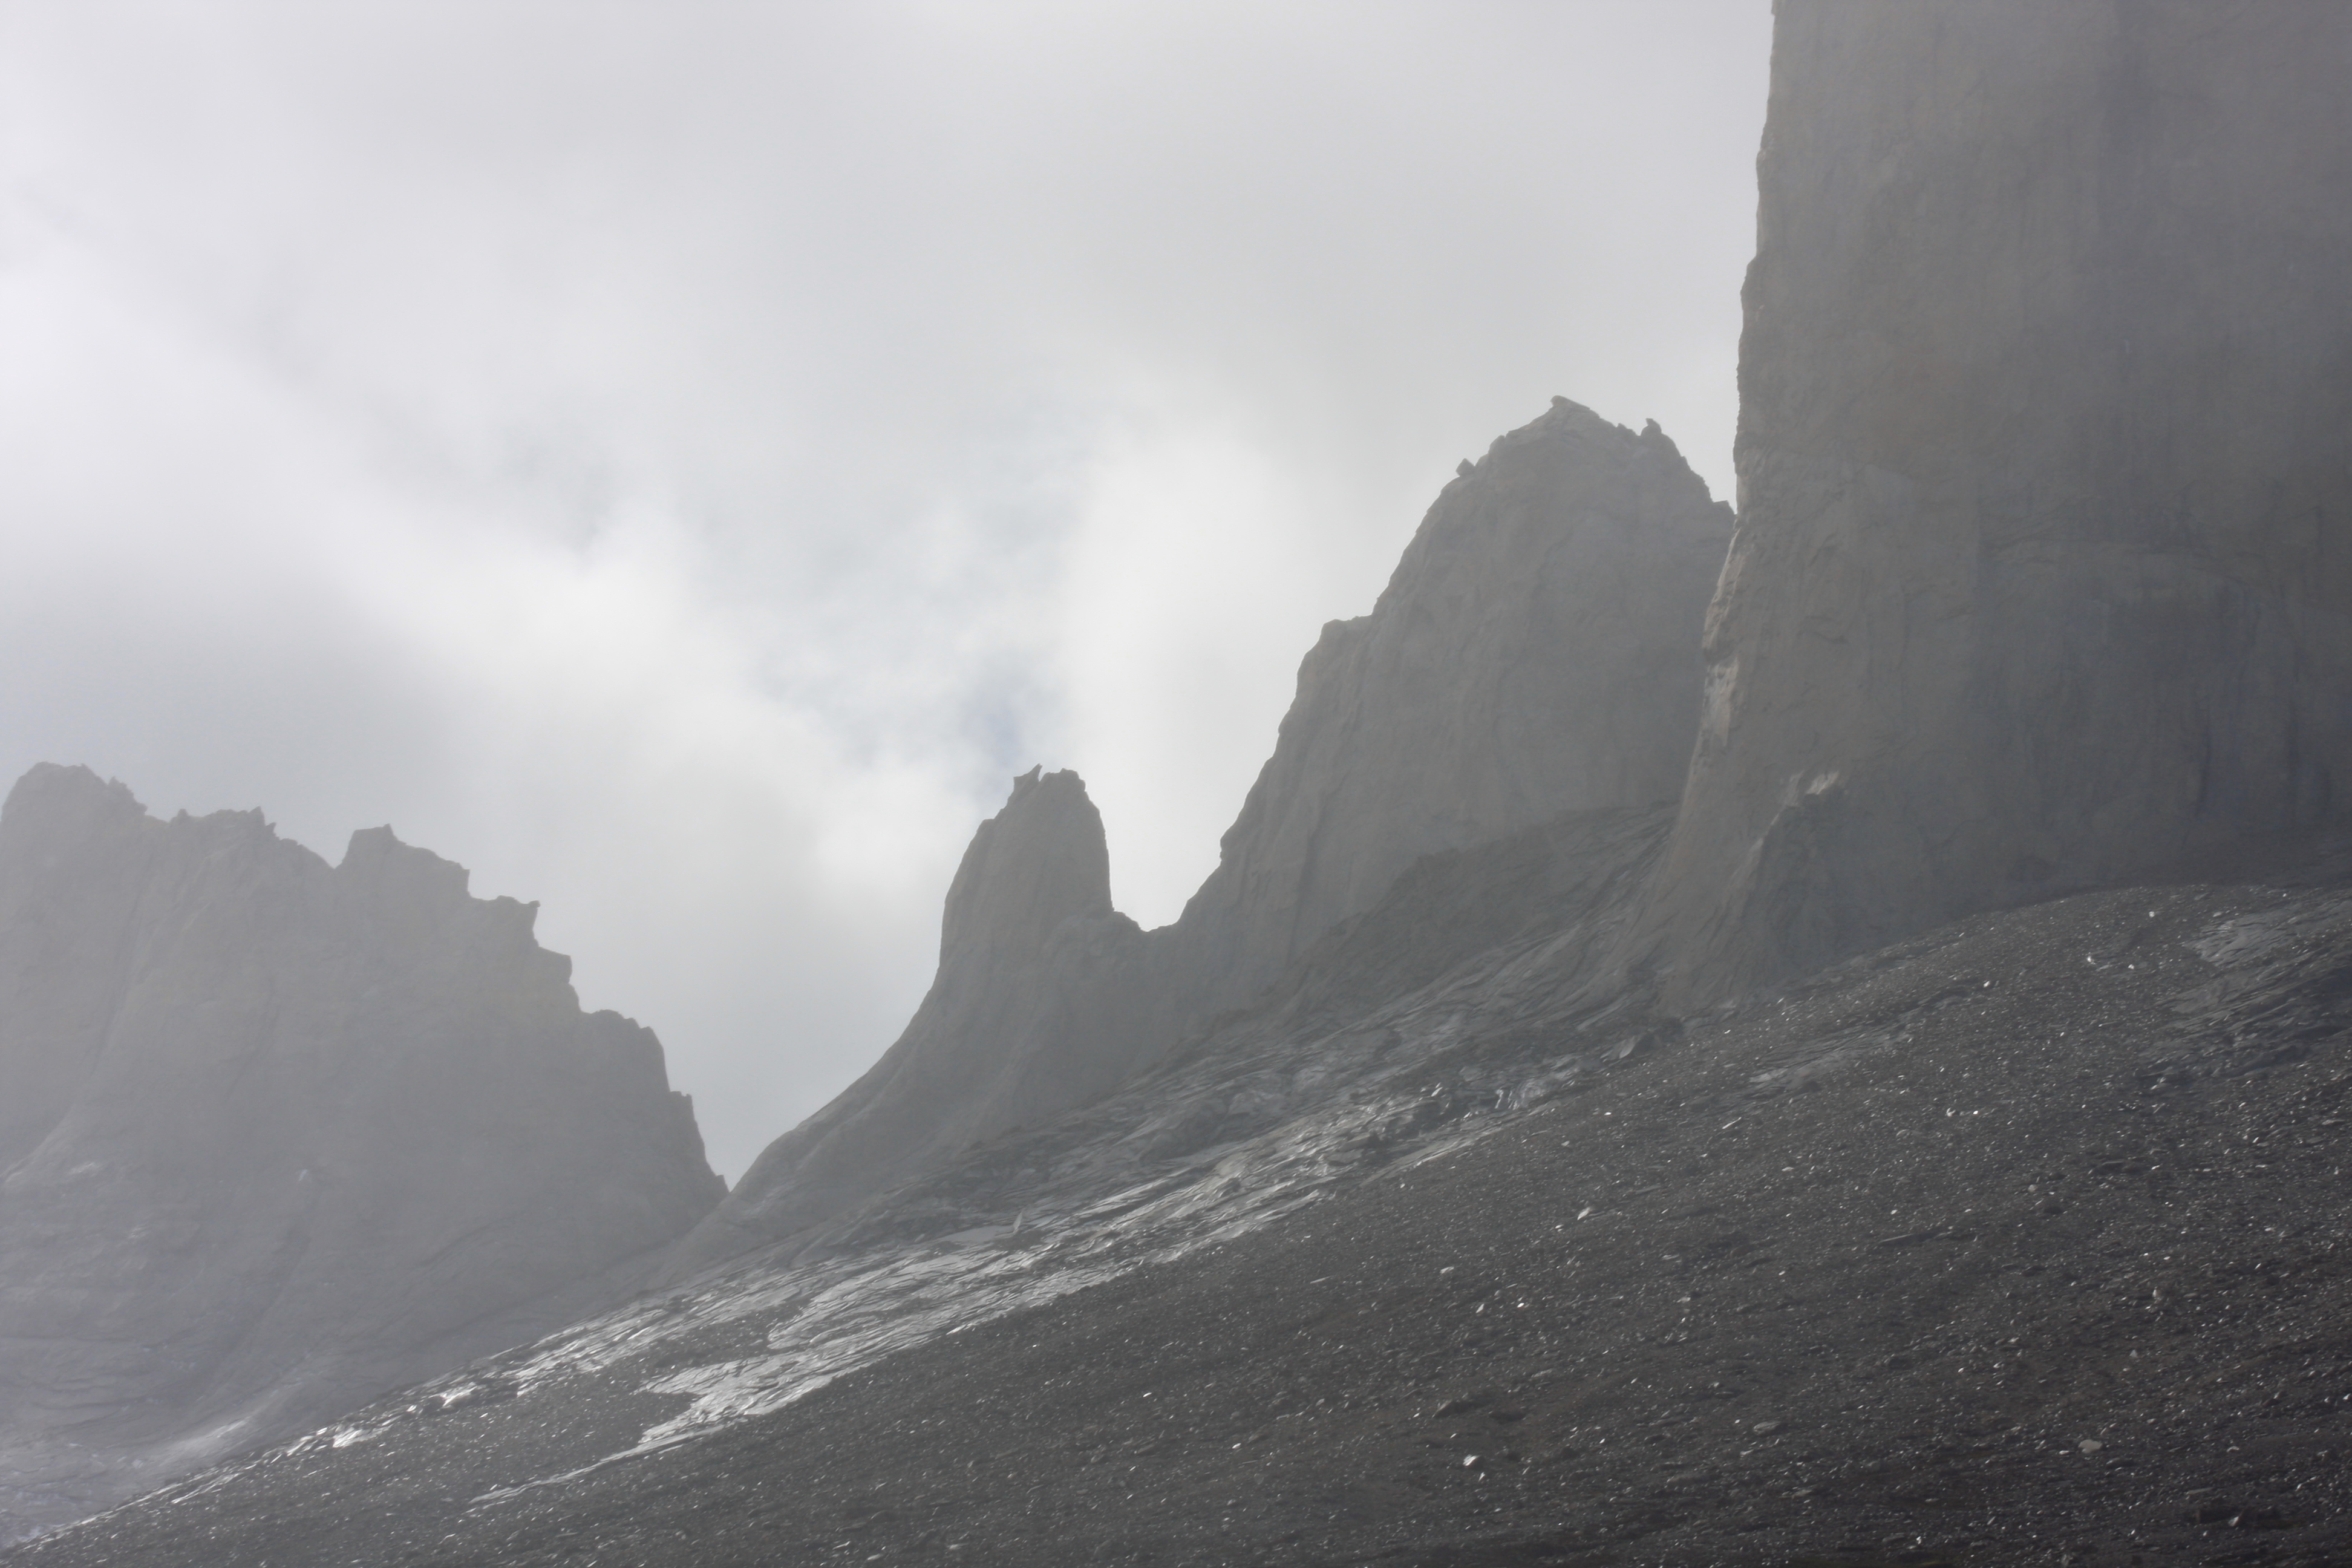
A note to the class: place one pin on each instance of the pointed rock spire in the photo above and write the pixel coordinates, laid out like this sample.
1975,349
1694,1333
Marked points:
1035,1008
1038,862
1535,653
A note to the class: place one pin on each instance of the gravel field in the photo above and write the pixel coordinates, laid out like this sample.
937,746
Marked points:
2021,1242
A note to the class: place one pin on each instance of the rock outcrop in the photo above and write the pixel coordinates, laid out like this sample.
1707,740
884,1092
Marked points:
1535,654
276,1136
2040,577
1039,1004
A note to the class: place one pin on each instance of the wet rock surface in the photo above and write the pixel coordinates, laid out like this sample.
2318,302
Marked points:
2018,1242
279,1136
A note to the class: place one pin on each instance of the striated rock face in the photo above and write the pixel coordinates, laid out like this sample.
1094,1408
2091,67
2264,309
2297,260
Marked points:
1039,1004
1535,654
276,1136
2041,576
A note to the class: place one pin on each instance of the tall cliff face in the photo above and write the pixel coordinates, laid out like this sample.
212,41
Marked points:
276,1136
1535,654
2040,575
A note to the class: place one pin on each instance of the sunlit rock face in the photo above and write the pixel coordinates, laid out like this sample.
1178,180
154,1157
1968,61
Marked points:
2042,575
1535,654
276,1136
1039,1004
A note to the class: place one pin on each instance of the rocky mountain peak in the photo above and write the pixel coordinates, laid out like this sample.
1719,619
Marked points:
377,859
1039,861
276,1136
1535,653
63,803
1041,1001
2011,1242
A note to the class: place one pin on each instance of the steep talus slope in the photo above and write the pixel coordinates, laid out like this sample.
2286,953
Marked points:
280,1135
1461,994
2040,577
1534,653
2015,1243
1416,1198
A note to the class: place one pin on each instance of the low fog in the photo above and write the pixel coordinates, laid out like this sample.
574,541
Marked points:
682,461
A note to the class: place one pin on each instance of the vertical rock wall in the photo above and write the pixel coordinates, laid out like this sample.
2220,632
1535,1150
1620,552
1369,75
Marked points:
2043,572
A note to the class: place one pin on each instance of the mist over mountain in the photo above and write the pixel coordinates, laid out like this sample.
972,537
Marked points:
279,1135
1532,656
1819,1040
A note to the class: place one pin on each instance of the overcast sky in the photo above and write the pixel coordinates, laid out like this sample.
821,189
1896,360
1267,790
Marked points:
681,461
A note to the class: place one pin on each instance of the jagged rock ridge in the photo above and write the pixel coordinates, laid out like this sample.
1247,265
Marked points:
2040,579
1533,654
2010,1243
277,1136
1964,1251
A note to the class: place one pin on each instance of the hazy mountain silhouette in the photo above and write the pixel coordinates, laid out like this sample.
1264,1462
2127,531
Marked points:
1849,1070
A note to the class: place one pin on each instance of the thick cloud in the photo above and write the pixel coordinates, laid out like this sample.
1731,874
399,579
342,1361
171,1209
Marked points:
681,461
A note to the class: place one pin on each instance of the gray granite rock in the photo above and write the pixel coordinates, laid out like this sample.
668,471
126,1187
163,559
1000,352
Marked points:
1535,654
2040,577
276,1136
1040,1003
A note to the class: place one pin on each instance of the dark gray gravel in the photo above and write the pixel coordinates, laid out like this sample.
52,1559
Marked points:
2023,1242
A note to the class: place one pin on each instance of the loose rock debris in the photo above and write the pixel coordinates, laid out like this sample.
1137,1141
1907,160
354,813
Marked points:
1965,1252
